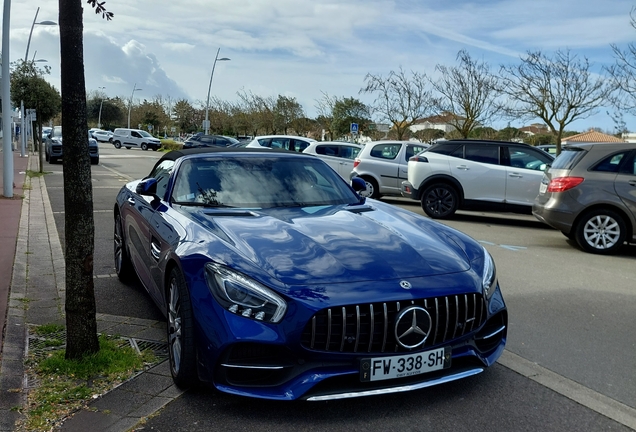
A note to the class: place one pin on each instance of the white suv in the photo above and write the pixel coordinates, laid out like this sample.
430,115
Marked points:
287,142
134,138
383,165
480,175
339,155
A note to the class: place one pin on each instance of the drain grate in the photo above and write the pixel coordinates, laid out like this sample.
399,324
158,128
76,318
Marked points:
40,346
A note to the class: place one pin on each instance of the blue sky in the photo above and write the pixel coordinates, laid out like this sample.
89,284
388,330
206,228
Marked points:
304,48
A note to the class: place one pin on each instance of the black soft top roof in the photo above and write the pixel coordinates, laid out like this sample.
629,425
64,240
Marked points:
176,154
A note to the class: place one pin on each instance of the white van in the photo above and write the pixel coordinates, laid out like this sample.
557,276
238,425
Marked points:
128,138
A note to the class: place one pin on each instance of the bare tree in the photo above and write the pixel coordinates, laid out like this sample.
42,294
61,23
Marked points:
324,106
557,90
623,74
79,225
401,99
469,92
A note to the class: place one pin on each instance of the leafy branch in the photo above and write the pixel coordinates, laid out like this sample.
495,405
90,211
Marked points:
100,9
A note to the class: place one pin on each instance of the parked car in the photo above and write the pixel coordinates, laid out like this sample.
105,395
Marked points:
589,194
201,140
548,148
383,165
337,154
53,149
475,174
103,136
279,281
129,138
287,142
45,131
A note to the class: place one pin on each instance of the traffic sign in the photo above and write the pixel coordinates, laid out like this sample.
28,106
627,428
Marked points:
354,128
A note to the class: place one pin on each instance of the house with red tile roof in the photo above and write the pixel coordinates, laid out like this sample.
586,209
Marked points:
590,136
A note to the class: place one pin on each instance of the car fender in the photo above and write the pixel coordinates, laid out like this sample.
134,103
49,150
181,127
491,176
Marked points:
441,178
630,222
356,173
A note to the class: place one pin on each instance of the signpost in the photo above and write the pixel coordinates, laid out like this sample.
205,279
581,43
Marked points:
354,128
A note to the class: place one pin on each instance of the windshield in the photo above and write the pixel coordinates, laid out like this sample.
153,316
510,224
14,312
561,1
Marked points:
57,131
248,181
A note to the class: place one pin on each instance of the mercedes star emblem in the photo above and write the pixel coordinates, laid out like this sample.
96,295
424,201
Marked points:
405,284
412,327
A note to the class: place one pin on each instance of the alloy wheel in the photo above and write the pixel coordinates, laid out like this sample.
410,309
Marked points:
174,327
119,246
602,232
440,202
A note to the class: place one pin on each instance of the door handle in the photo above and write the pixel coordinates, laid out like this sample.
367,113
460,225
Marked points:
632,182
131,201
462,167
516,175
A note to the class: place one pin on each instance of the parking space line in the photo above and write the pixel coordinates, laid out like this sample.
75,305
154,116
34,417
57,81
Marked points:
585,396
509,247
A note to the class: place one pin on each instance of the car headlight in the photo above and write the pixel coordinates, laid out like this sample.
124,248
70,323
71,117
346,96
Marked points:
489,275
244,296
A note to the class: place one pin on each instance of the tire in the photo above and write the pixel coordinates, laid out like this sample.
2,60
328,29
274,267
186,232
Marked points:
117,144
601,231
52,160
440,201
144,146
155,148
46,156
127,147
373,191
95,160
180,331
123,264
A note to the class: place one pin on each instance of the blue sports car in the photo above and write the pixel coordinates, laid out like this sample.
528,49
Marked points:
279,281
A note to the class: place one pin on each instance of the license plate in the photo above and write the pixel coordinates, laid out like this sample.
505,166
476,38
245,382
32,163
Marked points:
383,368
543,188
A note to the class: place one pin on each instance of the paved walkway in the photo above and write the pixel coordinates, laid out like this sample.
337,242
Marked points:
32,274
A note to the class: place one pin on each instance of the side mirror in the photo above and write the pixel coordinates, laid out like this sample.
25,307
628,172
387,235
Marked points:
358,184
147,187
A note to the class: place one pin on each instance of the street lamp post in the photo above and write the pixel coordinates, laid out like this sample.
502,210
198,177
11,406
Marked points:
26,55
7,150
99,117
207,104
130,104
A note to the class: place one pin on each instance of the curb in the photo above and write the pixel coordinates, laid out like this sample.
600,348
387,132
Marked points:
37,296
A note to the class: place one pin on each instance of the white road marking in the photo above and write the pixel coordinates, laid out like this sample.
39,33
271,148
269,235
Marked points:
585,396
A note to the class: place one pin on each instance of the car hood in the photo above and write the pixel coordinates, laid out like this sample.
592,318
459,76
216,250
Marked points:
318,245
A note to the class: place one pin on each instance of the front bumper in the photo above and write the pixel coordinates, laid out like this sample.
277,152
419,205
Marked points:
251,358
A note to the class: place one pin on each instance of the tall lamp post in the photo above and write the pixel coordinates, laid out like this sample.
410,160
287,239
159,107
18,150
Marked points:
207,104
130,104
99,117
7,151
26,55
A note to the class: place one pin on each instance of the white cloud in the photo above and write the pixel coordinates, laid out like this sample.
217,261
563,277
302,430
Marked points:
306,47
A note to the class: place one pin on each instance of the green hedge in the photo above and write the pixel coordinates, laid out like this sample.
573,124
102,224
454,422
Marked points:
169,144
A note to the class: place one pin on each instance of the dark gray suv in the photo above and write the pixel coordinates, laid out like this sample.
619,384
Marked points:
589,194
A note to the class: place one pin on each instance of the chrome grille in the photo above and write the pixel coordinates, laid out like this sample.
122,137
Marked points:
369,328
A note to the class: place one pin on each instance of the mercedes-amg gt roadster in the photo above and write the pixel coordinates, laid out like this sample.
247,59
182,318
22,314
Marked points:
280,281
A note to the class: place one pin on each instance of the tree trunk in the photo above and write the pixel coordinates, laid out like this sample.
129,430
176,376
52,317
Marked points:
81,324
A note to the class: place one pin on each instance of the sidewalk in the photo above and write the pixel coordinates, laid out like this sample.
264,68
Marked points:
34,272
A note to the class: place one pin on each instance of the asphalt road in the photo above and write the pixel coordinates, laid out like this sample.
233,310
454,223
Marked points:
572,316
